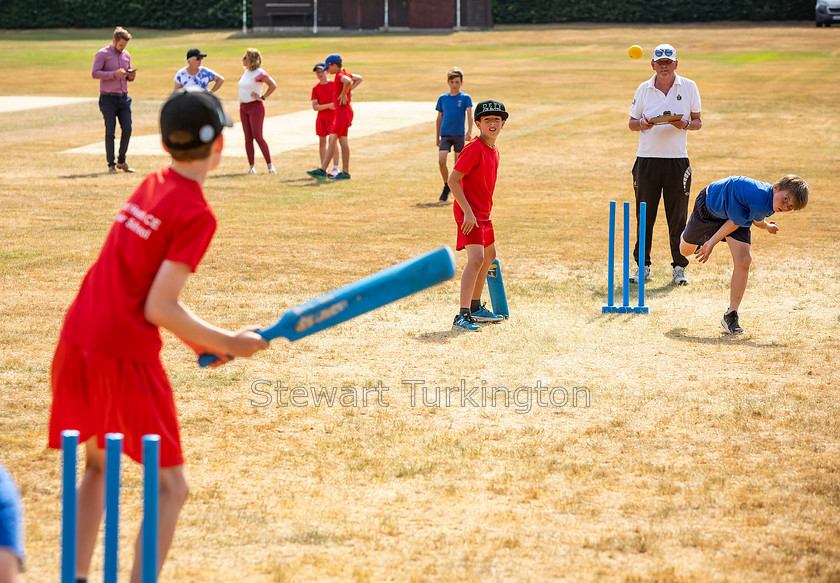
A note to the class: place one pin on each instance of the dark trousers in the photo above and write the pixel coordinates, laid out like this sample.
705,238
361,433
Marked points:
669,179
113,108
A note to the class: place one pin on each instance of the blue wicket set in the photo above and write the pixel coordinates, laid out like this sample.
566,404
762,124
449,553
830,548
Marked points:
69,514
626,308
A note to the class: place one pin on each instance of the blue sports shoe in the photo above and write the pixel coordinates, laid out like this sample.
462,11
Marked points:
485,315
317,173
340,176
465,324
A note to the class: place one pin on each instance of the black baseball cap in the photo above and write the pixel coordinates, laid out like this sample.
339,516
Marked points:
195,53
196,113
321,66
490,107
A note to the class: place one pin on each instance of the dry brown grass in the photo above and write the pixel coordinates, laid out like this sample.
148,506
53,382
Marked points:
699,457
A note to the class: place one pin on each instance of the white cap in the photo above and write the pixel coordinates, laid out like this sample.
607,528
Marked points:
664,51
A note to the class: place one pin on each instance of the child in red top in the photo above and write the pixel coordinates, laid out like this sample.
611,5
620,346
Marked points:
323,95
473,181
344,84
107,375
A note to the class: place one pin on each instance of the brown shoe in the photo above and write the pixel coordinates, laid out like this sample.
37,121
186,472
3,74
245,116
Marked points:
112,170
125,167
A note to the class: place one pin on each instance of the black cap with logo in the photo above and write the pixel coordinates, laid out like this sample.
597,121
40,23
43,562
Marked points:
490,107
193,117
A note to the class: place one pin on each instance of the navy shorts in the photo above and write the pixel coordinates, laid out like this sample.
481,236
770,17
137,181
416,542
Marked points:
702,225
449,142
11,516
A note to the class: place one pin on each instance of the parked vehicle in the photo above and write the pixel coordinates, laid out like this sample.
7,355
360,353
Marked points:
826,12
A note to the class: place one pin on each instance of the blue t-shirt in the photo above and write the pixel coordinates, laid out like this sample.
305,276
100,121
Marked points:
201,79
11,515
454,109
741,199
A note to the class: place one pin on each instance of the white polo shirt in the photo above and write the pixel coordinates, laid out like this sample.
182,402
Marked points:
664,141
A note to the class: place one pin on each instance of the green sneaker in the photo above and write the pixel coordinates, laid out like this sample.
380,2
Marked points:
317,173
340,176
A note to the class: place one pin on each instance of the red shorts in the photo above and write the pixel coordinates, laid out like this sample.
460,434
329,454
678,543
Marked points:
98,394
482,235
342,121
322,126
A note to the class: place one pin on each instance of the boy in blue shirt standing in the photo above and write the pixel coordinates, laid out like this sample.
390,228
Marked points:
724,211
453,108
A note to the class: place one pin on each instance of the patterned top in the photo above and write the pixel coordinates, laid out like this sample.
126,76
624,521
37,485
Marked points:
201,79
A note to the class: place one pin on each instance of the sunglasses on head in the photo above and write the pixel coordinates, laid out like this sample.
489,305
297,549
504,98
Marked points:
666,52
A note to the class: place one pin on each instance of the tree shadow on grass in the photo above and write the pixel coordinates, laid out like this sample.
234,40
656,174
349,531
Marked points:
722,339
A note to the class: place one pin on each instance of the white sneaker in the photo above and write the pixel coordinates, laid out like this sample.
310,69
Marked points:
635,277
679,276
252,170
333,172
272,169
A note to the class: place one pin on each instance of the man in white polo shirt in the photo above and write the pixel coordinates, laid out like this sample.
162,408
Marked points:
662,169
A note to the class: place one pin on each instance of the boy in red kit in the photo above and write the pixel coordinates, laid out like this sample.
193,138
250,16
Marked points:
322,101
107,375
473,181
344,84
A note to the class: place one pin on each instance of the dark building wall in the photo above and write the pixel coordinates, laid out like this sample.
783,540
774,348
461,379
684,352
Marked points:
432,14
329,13
370,14
362,14
398,11
476,13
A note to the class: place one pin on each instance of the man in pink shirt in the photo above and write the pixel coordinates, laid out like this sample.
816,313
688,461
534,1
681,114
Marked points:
112,66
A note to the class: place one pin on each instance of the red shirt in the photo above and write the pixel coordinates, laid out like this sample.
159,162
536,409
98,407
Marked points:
324,94
339,86
480,164
166,218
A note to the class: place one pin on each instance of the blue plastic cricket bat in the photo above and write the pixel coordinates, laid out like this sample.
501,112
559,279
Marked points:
365,295
496,287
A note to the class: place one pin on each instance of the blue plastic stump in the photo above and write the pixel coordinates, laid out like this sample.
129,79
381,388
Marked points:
151,465
113,453
69,510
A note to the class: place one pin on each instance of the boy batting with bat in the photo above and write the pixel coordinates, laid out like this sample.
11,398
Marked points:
473,182
107,375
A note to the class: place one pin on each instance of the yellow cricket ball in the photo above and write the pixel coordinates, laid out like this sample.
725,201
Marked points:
635,52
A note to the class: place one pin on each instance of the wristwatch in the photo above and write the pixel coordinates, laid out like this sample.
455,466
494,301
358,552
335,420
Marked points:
262,97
